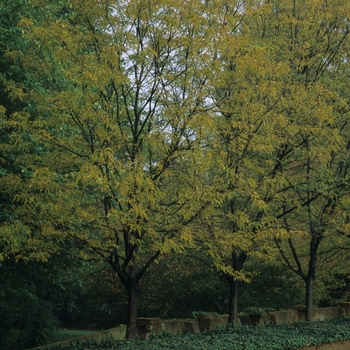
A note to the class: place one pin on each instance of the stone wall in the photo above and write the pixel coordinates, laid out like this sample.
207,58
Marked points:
210,321
146,326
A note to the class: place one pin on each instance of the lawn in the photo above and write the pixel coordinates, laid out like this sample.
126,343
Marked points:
66,334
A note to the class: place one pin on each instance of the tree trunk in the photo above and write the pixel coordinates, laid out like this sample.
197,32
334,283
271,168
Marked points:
311,275
130,276
233,312
309,278
238,261
133,290
309,300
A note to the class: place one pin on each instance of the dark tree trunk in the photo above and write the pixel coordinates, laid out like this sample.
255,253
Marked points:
311,275
130,275
308,298
133,290
131,281
233,312
238,261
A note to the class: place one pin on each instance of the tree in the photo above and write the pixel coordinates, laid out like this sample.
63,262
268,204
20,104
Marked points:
27,311
272,285
247,90
10,39
281,130
312,37
119,115
178,286
32,293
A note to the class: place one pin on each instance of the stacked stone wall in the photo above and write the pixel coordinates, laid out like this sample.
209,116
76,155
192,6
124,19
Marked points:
208,321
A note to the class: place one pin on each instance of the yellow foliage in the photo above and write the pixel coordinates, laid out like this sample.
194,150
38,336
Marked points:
166,125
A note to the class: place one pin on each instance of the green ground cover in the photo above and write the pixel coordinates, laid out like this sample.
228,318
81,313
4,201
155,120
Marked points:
268,337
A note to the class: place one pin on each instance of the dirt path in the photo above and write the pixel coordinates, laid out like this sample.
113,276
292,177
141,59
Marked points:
333,346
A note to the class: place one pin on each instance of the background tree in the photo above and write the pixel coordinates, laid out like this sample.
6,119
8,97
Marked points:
10,39
33,295
30,289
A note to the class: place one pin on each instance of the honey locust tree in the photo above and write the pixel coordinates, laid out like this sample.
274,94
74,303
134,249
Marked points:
246,93
120,115
281,130
312,39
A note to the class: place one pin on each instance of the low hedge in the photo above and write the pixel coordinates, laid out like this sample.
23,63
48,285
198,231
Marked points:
235,337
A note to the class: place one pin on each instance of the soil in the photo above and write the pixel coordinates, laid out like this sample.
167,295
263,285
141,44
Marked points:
333,346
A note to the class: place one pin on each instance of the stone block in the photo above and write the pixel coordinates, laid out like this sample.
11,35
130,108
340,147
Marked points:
147,325
277,317
301,310
210,321
327,312
243,319
250,320
346,306
173,326
191,325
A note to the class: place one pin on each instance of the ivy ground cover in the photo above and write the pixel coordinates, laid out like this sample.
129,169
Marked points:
268,337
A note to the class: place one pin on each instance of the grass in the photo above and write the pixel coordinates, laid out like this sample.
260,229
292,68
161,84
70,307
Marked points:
66,334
